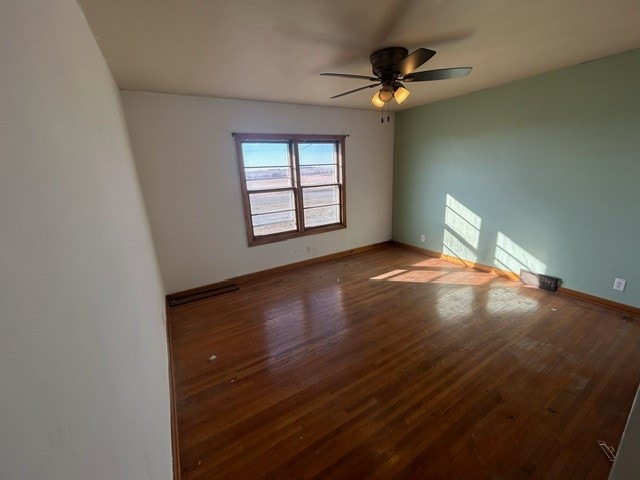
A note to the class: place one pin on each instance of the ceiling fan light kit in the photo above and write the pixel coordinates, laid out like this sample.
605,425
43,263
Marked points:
386,93
393,65
376,100
400,93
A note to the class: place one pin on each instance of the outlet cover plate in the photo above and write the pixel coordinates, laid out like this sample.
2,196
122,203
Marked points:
619,284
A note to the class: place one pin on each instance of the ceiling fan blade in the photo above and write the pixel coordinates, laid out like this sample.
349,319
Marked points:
392,16
355,90
347,75
440,74
414,60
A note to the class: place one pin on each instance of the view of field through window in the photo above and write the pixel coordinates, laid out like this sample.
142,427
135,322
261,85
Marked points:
271,182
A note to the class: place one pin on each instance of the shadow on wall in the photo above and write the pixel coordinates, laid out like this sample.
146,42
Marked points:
462,239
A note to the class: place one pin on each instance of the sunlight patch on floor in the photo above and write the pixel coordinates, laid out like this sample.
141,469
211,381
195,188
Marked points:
436,263
440,276
466,278
418,276
387,275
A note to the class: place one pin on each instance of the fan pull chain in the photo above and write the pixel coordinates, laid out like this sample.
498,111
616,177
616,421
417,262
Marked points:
382,113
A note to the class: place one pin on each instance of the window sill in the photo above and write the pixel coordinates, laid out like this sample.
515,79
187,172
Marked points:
278,237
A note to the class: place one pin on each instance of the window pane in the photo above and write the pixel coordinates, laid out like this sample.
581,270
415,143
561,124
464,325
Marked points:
317,153
316,216
265,154
271,202
287,179
319,196
267,178
268,223
318,175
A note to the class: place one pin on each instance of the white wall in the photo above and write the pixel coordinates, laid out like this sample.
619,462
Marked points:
187,166
627,464
83,362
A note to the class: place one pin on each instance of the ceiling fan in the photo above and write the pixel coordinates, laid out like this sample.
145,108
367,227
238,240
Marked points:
393,65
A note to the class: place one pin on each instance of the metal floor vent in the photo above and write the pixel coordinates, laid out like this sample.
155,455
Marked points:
539,280
179,299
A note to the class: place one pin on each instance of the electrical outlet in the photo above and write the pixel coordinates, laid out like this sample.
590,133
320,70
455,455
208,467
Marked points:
423,238
619,284
308,248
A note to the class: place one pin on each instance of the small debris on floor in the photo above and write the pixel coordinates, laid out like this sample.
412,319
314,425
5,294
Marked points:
212,358
608,450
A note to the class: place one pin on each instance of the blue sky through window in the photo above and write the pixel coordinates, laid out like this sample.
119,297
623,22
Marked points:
275,154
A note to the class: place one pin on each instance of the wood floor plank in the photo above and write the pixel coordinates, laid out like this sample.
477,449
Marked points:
389,364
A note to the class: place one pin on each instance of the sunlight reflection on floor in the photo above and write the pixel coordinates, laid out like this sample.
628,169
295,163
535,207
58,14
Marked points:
460,304
508,301
296,319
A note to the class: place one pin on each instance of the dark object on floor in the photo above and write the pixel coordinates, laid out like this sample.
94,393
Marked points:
608,450
179,300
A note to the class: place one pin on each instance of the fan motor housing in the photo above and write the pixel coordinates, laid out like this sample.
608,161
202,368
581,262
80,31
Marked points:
384,63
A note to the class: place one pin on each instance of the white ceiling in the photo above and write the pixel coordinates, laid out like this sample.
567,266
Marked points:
274,50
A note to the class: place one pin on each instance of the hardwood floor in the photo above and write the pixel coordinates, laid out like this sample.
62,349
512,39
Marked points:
390,364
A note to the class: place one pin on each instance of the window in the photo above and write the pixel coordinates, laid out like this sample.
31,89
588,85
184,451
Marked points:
292,185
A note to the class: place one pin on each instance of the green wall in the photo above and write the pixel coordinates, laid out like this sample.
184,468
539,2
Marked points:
542,173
